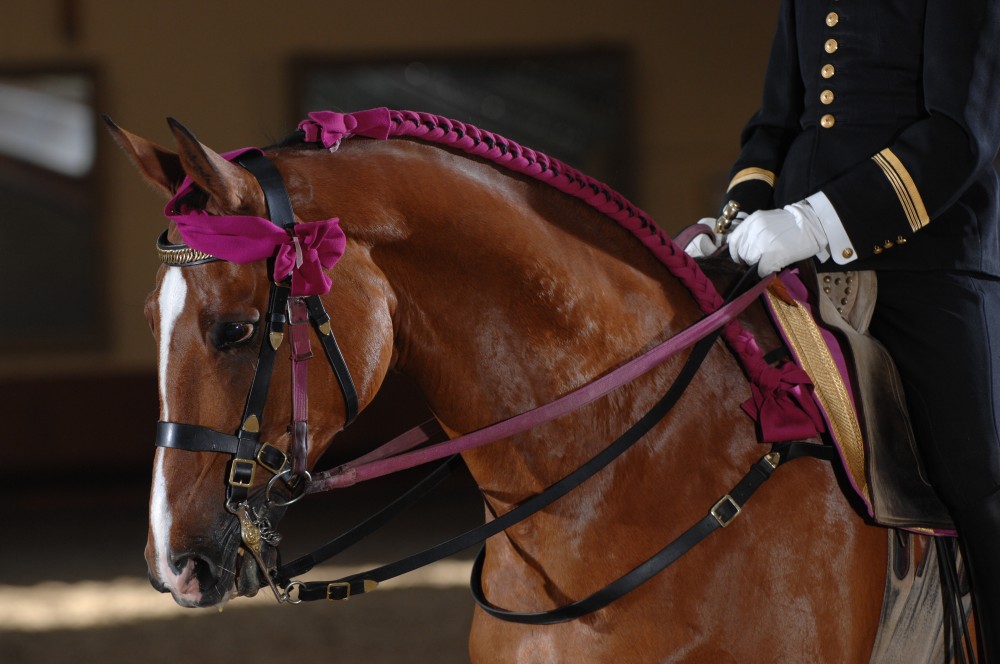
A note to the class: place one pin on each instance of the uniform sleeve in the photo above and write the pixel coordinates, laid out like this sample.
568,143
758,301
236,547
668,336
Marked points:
900,190
766,137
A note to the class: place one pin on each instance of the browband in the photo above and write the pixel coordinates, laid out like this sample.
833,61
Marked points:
180,254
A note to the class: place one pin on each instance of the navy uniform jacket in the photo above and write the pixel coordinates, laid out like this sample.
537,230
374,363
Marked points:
892,109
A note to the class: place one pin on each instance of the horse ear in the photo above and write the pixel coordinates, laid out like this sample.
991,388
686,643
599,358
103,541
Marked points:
232,187
160,166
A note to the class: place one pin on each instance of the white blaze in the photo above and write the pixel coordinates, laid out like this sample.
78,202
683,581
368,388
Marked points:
173,292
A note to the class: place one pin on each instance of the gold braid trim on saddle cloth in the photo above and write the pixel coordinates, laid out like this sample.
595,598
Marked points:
807,344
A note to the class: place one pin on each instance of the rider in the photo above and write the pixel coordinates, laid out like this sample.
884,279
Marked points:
872,150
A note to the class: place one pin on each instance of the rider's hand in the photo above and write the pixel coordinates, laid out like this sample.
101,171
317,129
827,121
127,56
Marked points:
706,245
774,239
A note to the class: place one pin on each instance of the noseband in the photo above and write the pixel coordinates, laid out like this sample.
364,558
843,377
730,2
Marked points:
284,313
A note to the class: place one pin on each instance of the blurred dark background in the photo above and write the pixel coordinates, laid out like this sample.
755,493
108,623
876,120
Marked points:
649,96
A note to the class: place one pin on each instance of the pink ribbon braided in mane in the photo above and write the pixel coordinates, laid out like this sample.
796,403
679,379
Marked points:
782,402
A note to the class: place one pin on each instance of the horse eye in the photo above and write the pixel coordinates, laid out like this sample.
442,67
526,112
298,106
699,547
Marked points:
231,335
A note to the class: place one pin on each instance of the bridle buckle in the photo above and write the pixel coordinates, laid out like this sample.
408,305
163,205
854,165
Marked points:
732,512
367,585
269,457
242,472
330,587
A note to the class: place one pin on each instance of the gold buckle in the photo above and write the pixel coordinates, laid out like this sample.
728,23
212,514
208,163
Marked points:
338,584
368,585
723,521
232,473
260,458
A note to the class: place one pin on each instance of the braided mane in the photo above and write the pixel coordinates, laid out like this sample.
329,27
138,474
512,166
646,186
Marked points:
329,128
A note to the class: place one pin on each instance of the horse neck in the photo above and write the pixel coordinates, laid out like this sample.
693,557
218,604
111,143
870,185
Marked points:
508,292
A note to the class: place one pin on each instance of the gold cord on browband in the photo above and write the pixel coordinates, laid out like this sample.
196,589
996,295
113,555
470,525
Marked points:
180,254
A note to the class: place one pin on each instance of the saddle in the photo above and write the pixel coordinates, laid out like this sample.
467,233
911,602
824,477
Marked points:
823,319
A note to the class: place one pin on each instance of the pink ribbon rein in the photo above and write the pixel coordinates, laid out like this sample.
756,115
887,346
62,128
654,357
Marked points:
394,455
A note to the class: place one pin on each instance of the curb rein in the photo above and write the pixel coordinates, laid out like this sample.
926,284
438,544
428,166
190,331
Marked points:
248,453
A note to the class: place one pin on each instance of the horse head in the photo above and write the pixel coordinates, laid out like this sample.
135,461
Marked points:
210,319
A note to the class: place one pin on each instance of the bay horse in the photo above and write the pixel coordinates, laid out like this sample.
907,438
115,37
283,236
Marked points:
497,293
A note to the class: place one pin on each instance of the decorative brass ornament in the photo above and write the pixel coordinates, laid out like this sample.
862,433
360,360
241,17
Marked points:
252,425
182,256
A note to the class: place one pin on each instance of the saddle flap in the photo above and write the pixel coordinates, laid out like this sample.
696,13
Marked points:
859,391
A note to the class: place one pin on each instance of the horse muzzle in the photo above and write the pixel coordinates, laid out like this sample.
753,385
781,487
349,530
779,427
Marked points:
205,576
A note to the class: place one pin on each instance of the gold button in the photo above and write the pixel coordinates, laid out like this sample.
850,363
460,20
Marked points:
831,46
888,244
877,250
827,71
847,253
827,121
900,240
826,96
832,19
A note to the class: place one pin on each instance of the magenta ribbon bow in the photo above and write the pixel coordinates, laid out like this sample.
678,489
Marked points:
304,251
329,128
783,405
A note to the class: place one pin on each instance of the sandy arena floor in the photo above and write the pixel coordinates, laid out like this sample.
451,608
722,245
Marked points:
73,586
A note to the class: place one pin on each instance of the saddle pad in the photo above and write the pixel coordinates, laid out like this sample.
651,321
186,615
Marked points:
860,396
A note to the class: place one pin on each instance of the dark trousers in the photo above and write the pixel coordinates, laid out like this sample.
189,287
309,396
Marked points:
943,332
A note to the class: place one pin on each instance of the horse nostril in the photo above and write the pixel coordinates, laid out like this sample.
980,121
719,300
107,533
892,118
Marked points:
194,569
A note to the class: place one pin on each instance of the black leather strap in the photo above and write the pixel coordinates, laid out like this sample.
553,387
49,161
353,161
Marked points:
240,467
721,515
194,438
279,207
341,543
319,318
355,584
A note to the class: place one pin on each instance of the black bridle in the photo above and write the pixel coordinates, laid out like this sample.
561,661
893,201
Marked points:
284,312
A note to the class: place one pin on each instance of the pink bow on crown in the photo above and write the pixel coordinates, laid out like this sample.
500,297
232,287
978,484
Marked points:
304,251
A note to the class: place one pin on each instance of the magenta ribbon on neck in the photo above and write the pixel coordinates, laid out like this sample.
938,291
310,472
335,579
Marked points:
303,252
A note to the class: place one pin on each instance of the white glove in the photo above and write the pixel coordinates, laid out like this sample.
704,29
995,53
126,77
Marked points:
774,239
706,245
